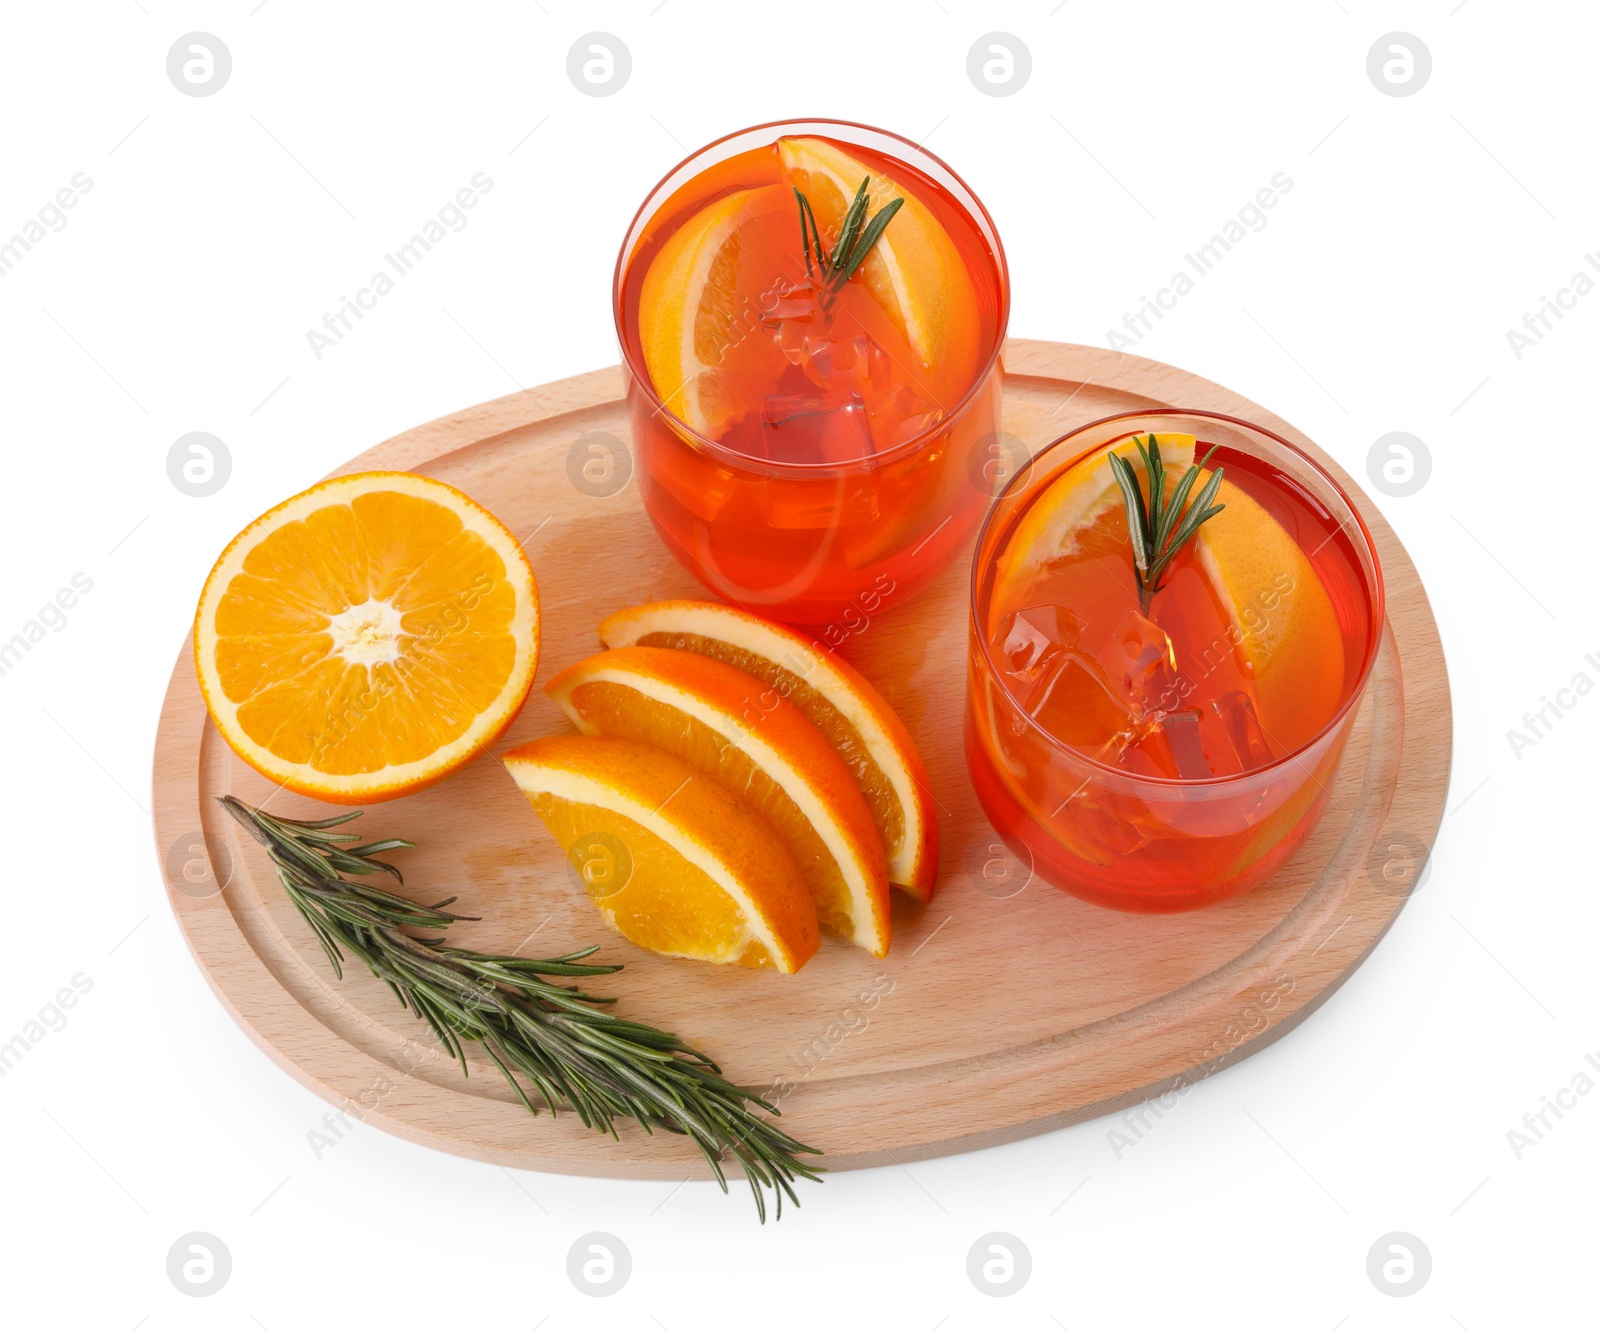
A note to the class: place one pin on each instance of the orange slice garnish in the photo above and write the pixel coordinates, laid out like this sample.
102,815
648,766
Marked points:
1078,499
914,272
1292,652
691,316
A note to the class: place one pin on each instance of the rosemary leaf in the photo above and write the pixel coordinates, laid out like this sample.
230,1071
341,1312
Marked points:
850,228
808,230
869,238
1201,510
1157,476
557,1039
1138,524
1160,525
854,242
1175,507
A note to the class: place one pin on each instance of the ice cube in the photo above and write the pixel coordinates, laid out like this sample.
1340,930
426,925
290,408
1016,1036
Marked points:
1171,744
1077,702
1239,723
838,356
816,428
837,507
1181,731
847,364
1146,664
819,429
789,309
902,413
1105,826
793,311
1030,640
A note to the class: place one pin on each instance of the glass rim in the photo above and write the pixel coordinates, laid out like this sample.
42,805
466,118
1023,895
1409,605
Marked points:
1375,590
972,204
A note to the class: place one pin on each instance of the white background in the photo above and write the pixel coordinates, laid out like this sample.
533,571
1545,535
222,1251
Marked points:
1378,298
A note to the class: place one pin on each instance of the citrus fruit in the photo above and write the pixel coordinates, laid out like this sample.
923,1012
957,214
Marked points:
851,715
690,312
914,272
1293,651
1085,494
762,749
1287,642
367,637
674,863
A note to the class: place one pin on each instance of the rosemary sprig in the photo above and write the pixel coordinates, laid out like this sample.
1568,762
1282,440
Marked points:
856,238
551,1037
1166,526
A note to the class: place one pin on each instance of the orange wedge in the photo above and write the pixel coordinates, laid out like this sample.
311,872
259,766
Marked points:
914,272
689,309
367,637
1078,499
673,862
852,715
1294,652
763,750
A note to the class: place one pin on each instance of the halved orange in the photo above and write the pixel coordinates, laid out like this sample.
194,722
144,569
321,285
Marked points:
914,272
367,637
674,862
852,715
761,749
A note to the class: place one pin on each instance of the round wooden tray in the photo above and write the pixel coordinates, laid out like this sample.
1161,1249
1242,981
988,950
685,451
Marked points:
1005,1008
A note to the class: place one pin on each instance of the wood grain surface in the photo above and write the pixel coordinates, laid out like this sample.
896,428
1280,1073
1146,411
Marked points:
998,1013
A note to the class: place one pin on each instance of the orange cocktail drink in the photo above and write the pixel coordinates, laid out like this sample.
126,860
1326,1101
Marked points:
1157,726
811,316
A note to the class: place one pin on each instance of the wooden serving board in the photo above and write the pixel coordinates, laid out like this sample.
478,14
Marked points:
1005,1008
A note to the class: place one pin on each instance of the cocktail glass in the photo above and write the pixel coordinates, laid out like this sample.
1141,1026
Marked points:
823,543
1131,840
